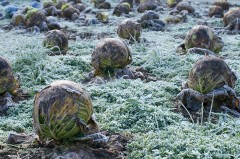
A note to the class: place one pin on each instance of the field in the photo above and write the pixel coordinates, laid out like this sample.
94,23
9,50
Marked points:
143,113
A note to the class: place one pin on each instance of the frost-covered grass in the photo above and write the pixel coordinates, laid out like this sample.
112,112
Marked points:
143,110
184,140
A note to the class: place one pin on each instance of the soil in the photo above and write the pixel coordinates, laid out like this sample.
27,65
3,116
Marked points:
114,148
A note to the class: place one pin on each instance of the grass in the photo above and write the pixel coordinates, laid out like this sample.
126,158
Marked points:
186,140
143,110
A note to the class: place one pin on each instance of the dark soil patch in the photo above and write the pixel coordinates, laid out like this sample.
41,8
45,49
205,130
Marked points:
115,148
207,114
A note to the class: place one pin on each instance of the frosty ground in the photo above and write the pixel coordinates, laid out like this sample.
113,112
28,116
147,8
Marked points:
144,111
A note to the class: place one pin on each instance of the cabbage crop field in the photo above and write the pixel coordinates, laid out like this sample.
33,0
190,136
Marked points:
140,118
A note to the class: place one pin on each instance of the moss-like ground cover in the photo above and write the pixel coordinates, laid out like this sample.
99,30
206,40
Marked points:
142,110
